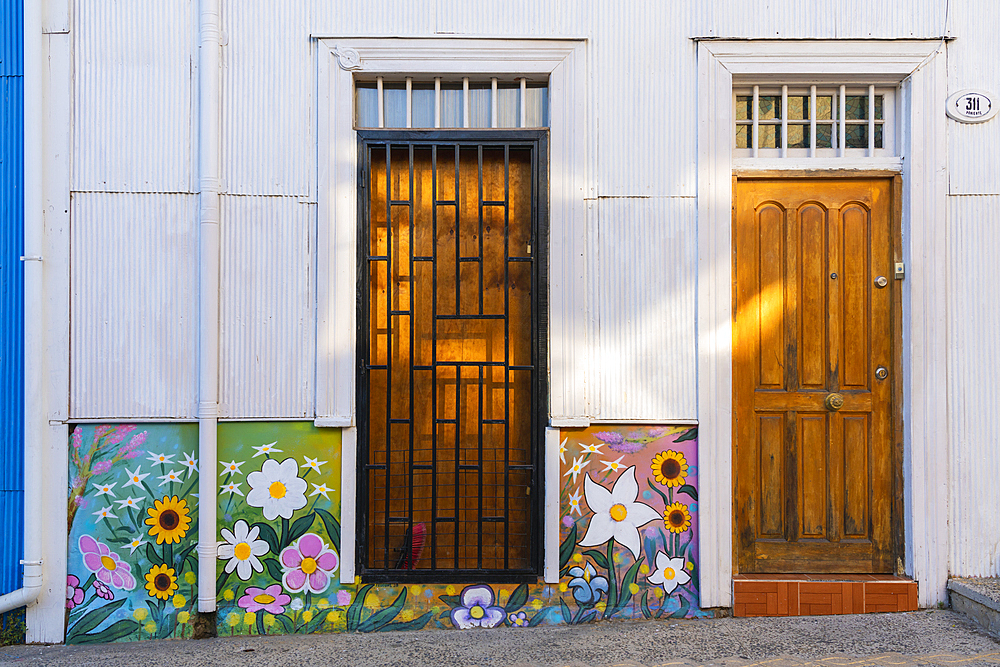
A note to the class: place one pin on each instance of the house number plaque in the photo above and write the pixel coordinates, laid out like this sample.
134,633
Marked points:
971,106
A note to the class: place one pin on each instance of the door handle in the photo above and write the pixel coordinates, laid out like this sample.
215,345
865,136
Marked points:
834,402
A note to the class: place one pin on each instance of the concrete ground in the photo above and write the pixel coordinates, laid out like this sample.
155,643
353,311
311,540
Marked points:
930,637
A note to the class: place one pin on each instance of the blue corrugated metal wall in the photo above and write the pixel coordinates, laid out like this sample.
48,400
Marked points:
11,293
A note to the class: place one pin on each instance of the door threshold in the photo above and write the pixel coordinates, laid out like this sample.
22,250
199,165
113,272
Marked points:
821,594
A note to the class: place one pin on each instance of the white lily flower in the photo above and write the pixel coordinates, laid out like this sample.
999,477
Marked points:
614,466
592,449
578,465
320,489
269,448
134,478
105,489
231,468
104,513
161,458
313,463
231,488
191,463
277,489
617,515
670,573
171,476
574,503
130,502
242,549
135,544
562,450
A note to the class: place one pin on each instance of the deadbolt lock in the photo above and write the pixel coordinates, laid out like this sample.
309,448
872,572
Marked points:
881,372
834,402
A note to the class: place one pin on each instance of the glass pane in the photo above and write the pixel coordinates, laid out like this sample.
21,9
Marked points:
878,107
394,95
479,104
857,107
452,105
423,105
367,104
743,136
824,107
537,102
824,135
878,136
857,136
508,105
798,107
770,107
799,136
744,107
769,136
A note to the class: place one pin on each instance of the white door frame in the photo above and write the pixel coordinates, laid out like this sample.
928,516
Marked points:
919,68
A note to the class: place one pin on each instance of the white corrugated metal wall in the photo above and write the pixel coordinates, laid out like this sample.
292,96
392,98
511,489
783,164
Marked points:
135,232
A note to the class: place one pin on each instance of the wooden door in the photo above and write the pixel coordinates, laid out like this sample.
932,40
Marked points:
814,417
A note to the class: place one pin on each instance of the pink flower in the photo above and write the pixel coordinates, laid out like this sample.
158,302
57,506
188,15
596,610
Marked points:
101,431
308,564
74,594
127,451
101,467
270,599
103,562
77,437
120,433
343,598
103,591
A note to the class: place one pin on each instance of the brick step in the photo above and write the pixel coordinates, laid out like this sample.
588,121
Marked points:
818,595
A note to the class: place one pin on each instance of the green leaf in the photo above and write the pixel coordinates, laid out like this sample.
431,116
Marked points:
539,617
184,554
260,625
220,583
662,495
566,615
286,622
645,605
415,624
589,616
95,617
567,546
152,556
332,527
354,611
683,609
691,434
300,527
268,535
114,631
319,618
273,568
378,619
452,601
599,558
517,599
627,582
690,490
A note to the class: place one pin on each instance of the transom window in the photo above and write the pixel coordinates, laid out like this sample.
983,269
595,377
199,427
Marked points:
814,121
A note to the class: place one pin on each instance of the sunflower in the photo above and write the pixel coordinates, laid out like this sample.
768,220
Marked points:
169,519
161,582
677,517
669,468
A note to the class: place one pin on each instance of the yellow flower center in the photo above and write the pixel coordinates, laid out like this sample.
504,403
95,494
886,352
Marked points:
263,598
586,576
618,512
477,612
309,565
242,551
277,490
669,573
109,563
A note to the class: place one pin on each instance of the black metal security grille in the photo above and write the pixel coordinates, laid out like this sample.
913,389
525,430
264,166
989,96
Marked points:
451,332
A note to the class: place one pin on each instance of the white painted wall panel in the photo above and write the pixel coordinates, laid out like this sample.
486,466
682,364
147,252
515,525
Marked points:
267,308
974,387
643,269
134,66
133,314
973,167
646,97
377,19
517,18
268,125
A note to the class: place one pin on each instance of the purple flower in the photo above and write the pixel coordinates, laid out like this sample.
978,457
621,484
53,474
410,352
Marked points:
477,610
77,437
101,431
74,594
103,591
102,561
308,564
101,467
120,433
617,442
270,599
127,451
518,619
343,598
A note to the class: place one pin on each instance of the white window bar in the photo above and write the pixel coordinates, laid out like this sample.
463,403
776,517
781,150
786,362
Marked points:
495,108
871,120
467,99
812,121
784,121
381,102
437,102
843,121
524,102
756,117
409,102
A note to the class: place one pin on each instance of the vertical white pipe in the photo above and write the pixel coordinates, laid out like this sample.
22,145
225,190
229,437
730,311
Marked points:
495,104
524,102
756,118
871,121
379,93
784,121
466,100
409,102
843,121
812,121
209,126
437,101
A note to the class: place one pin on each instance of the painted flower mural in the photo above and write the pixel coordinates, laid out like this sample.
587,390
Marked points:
106,564
477,609
617,515
669,574
269,599
308,565
169,520
277,489
587,586
242,549
161,582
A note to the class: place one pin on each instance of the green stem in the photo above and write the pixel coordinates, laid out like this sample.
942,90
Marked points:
284,533
613,571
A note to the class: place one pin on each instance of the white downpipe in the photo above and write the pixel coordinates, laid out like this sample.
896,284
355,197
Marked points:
209,87
35,408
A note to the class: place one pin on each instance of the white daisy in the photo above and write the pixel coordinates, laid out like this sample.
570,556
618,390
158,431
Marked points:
171,476
574,503
577,467
592,449
617,515
562,451
130,502
161,458
135,544
670,573
104,513
134,478
242,549
232,487
613,466
312,463
231,468
191,463
269,448
320,489
276,489
105,489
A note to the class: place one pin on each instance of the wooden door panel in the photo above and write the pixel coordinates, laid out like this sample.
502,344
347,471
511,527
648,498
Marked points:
813,485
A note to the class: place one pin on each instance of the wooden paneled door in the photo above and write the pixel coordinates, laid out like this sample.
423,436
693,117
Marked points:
814,374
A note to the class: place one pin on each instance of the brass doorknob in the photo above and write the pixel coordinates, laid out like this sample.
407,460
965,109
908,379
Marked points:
834,402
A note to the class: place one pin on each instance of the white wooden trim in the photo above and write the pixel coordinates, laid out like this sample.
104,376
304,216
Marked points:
919,68
550,523
348,503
